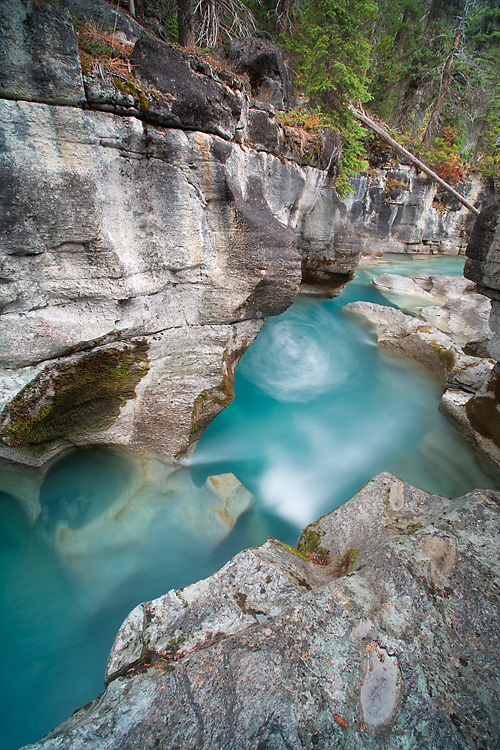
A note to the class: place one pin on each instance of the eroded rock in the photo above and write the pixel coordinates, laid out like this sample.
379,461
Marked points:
394,649
39,54
470,385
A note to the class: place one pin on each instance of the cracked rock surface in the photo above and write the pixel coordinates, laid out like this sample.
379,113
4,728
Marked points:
273,651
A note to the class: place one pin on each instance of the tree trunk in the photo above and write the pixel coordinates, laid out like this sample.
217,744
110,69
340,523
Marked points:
283,16
445,77
185,22
443,89
390,140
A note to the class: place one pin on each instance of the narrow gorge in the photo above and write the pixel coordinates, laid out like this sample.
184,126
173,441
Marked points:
205,348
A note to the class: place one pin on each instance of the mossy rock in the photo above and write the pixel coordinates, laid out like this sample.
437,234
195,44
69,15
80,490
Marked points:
310,546
75,397
345,562
293,550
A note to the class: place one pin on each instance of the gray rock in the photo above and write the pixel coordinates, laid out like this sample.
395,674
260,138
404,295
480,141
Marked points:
400,210
460,312
192,99
483,252
39,54
391,285
85,265
427,345
381,317
271,80
445,287
465,319
393,643
483,267
477,419
106,15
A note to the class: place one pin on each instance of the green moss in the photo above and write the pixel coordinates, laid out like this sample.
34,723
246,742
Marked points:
175,643
446,356
412,528
293,550
209,403
393,188
77,397
130,87
344,563
310,546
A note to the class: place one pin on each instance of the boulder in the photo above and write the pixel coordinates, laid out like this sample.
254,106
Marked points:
391,285
377,630
428,346
470,384
465,319
39,54
191,99
476,416
460,311
271,79
445,287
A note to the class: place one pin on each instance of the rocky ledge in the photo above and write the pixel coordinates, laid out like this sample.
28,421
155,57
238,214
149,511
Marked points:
154,212
435,337
380,628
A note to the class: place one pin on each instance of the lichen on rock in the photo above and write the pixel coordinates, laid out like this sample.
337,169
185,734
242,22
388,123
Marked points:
82,394
271,650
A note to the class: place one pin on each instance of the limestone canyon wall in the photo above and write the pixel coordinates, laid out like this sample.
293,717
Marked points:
152,216
148,226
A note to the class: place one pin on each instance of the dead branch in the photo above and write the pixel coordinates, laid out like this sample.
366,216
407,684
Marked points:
420,164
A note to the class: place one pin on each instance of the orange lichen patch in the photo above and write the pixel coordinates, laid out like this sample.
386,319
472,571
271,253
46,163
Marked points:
340,721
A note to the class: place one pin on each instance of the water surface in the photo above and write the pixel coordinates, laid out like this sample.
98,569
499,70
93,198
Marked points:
318,411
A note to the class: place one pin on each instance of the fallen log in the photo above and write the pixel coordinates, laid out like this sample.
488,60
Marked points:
420,164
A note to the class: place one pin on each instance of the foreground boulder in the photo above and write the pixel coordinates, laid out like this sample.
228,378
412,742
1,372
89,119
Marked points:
380,628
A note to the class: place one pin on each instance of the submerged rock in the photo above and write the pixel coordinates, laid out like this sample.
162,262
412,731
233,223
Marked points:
390,640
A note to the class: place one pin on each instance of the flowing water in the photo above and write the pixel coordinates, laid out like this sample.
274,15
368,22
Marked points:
318,411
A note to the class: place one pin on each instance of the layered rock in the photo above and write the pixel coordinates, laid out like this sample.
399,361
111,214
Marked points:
147,229
396,208
377,630
483,265
470,384
452,304
477,415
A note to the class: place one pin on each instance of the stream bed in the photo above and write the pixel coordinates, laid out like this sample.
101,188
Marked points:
318,411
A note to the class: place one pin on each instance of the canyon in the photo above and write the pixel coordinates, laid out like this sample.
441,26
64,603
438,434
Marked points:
151,221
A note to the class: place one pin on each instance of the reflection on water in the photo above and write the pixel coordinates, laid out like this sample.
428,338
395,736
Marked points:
318,411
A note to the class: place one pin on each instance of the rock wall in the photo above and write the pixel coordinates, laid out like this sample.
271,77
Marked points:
148,225
155,210
478,415
377,631
396,208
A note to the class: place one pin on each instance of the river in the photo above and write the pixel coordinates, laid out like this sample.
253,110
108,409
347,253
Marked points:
318,411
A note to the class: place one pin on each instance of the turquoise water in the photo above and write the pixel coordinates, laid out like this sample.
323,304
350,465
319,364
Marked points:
318,411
